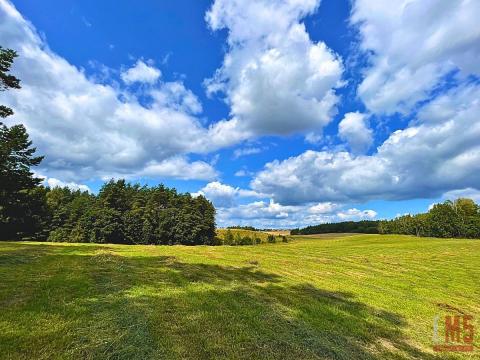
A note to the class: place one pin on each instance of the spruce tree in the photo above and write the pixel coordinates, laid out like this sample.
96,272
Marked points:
20,204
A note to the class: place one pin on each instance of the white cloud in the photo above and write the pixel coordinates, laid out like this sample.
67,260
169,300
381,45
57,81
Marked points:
355,131
468,193
355,215
174,95
254,213
53,183
313,137
246,151
223,195
180,168
412,46
141,72
270,214
242,172
439,152
323,208
260,210
277,80
267,213
92,130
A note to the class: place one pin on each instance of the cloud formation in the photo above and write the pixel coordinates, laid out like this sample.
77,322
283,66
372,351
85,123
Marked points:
235,207
353,128
93,130
246,151
141,72
412,46
53,183
422,61
277,81
270,214
223,195
439,152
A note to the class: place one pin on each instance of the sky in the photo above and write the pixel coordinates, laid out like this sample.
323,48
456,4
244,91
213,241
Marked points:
284,113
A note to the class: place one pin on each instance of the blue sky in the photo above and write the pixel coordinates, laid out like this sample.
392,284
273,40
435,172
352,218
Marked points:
284,113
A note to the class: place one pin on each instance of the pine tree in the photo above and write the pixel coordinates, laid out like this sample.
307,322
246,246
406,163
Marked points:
19,204
7,81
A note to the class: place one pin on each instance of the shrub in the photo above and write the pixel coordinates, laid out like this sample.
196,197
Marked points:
271,239
247,240
216,241
238,239
229,239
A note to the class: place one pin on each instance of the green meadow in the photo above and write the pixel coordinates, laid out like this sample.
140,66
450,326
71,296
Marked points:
348,297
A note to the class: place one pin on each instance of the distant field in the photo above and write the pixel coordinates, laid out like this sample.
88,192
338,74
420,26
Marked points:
260,234
353,297
325,236
278,232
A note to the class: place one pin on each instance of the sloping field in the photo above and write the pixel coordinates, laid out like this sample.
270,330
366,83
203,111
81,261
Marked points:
253,234
355,297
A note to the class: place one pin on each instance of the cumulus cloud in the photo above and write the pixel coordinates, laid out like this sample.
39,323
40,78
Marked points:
258,210
439,152
141,72
174,95
232,209
223,195
270,214
412,46
276,79
468,193
355,215
323,208
355,131
53,183
91,130
180,168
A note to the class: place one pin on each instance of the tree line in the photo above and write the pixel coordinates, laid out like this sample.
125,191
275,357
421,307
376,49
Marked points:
243,235
238,227
451,219
120,213
364,227
129,214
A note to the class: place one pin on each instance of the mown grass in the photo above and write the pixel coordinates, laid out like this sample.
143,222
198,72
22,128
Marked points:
355,297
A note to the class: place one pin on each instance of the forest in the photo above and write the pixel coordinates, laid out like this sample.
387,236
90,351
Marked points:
364,227
451,219
120,213
128,214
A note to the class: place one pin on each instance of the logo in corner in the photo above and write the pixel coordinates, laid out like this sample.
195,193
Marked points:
454,331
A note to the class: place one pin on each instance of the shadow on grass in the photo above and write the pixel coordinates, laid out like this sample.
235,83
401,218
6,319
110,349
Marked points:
114,307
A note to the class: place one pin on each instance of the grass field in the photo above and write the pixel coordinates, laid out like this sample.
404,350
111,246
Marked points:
253,234
353,297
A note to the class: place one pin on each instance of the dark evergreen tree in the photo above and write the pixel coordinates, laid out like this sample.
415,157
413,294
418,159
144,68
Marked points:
130,214
21,203
7,81
364,226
